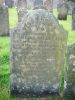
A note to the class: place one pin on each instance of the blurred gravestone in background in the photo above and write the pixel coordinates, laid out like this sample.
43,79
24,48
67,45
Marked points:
21,8
38,48
4,20
71,6
38,3
62,9
73,19
9,3
48,4
70,79
55,3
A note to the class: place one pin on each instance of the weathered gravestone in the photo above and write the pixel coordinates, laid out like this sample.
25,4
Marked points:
38,47
4,21
73,19
70,79
62,11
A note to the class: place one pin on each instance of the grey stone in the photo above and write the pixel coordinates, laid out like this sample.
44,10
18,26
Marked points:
63,1
30,4
21,8
1,2
9,3
38,2
24,5
48,4
71,6
73,19
55,3
70,77
38,48
4,21
62,11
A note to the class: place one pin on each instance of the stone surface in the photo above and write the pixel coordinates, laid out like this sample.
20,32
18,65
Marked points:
21,8
38,47
48,4
4,21
70,79
71,6
30,4
73,19
55,3
38,2
9,3
1,2
62,11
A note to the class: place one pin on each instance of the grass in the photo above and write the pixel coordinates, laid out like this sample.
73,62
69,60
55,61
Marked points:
13,18
5,55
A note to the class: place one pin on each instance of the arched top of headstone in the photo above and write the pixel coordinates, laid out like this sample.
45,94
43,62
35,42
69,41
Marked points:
36,17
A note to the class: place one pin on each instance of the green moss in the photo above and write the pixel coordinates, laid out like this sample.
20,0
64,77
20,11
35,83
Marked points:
13,18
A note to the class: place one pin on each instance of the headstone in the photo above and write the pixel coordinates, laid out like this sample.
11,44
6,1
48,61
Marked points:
71,6
38,48
73,19
4,21
70,79
21,8
62,11
9,3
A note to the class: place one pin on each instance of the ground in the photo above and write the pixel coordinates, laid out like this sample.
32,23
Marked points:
5,54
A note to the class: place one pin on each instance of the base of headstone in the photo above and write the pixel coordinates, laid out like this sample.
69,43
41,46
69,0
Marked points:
64,17
15,92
